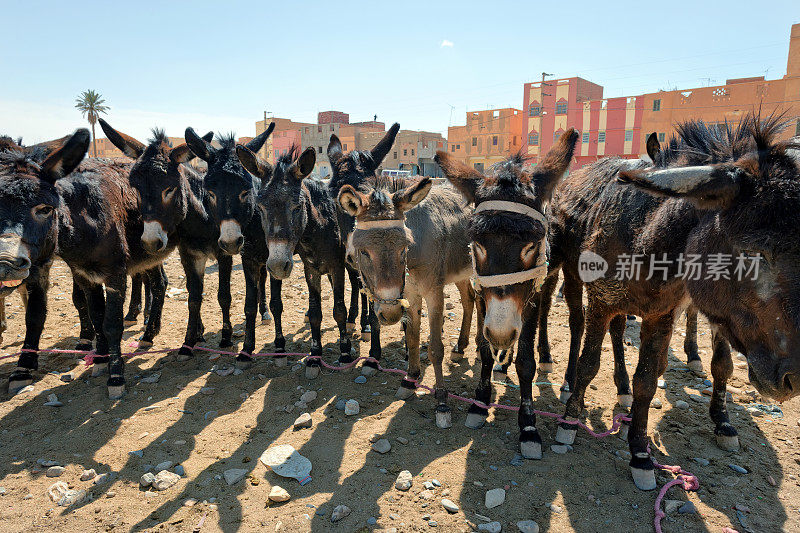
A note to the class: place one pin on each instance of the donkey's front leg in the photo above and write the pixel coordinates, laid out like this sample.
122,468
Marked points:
435,301
35,316
135,305
467,294
411,328
530,443
721,371
225,266
476,415
251,273
262,296
112,329
545,303
352,312
313,280
340,315
617,331
96,300
690,343
87,329
194,266
157,279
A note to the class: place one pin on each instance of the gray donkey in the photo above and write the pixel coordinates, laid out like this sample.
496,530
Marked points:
407,249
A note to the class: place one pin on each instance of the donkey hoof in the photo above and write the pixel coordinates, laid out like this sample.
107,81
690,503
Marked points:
98,369
456,354
115,392
625,400
145,345
243,361
444,417
623,431
368,371
84,345
566,435
281,361
729,443
696,366
128,322
545,368
184,354
350,327
644,479
499,374
475,420
530,449
366,336
563,397
305,318
312,372
225,343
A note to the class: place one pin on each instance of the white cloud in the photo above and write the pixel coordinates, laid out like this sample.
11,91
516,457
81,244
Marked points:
447,44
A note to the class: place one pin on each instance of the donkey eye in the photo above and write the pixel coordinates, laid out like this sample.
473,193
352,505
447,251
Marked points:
168,194
527,252
480,251
212,197
42,211
244,196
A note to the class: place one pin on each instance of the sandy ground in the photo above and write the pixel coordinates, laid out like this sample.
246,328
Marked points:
229,426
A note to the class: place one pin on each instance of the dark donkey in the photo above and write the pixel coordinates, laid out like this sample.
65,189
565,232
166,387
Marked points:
299,215
508,231
231,193
718,193
173,202
87,217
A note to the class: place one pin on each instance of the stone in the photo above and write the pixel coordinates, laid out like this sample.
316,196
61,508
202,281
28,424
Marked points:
670,506
436,483
164,465
402,440
165,479
340,404
66,378
137,453
528,526
234,475
491,527
63,496
680,404
560,449
404,480
278,494
494,497
55,471
152,378
351,407
207,390
146,480
701,461
656,403
449,506
687,508
103,478
339,512
190,502
179,470
738,469
371,521
426,494
303,421
662,384
382,446
308,396
88,475
360,380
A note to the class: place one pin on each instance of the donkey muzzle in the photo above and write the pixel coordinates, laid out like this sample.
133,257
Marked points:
503,322
154,238
15,260
279,262
231,239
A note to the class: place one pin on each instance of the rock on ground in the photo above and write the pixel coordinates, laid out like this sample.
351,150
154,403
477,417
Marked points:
63,496
527,526
491,527
165,479
404,480
449,506
88,475
494,497
278,494
303,421
340,512
351,407
382,446
234,475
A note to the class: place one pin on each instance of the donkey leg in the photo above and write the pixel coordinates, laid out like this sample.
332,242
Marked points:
314,283
87,329
476,415
251,269
135,305
530,442
412,328
467,294
225,264
112,329
617,331
35,315
375,335
656,334
262,296
194,267
545,302
587,367
721,371
573,294
352,312
368,322
157,280
340,316
3,324
435,302
276,306
96,300
690,343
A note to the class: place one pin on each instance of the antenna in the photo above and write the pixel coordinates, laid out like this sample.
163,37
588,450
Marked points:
450,122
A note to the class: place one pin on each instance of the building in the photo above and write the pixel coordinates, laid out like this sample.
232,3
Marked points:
318,136
489,136
283,137
106,149
413,151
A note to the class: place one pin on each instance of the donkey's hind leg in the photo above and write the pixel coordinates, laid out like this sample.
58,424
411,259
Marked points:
721,371
477,414
690,343
617,331
467,294
87,333
352,312
546,301
157,282
135,305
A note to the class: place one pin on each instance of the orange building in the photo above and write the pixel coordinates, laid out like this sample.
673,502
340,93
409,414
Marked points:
106,149
285,134
488,137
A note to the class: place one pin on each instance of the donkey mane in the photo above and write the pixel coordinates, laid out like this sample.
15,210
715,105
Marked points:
159,136
286,160
227,140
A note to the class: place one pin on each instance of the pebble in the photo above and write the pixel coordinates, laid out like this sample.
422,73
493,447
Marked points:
103,478
360,380
662,384
165,465
191,502
371,521
449,506
165,479
528,526
52,401
25,389
351,407
382,446
404,480
88,475
555,508
670,506
340,404
428,485
517,460
402,440
426,495
278,494
63,496
680,404
687,508
207,390
303,421
179,442
494,497
339,512
152,378
656,403
180,470
55,471
433,523
308,396
146,480
436,483
66,378
701,461
234,475
224,371
738,469
560,449
491,527
137,453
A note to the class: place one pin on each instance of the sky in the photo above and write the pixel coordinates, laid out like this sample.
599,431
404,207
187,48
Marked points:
218,66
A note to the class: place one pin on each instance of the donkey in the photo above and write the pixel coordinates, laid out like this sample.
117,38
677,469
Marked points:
85,214
299,215
717,192
508,233
231,204
173,203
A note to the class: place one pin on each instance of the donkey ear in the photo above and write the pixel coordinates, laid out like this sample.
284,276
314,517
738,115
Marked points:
334,149
547,175
256,144
352,201
653,146
199,145
181,154
208,137
305,163
385,144
708,187
252,163
412,195
126,144
64,160
464,178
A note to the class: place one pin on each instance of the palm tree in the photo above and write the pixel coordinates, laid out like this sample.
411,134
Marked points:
91,105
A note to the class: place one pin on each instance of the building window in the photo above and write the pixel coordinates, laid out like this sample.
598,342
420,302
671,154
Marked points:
601,137
331,127
561,109
797,129
657,104
453,148
585,137
306,130
661,137
533,139
319,129
405,152
277,153
319,149
345,147
474,141
412,151
535,110
628,135
478,167
494,140
395,155
556,135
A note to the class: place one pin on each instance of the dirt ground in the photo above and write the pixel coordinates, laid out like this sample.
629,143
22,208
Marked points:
209,423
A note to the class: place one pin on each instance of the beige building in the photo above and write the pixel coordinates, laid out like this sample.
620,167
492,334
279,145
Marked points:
489,136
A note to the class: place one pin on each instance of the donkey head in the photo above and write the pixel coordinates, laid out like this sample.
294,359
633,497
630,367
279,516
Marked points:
160,180
509,232
230,189
284,203
380,239
28,204
747,184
